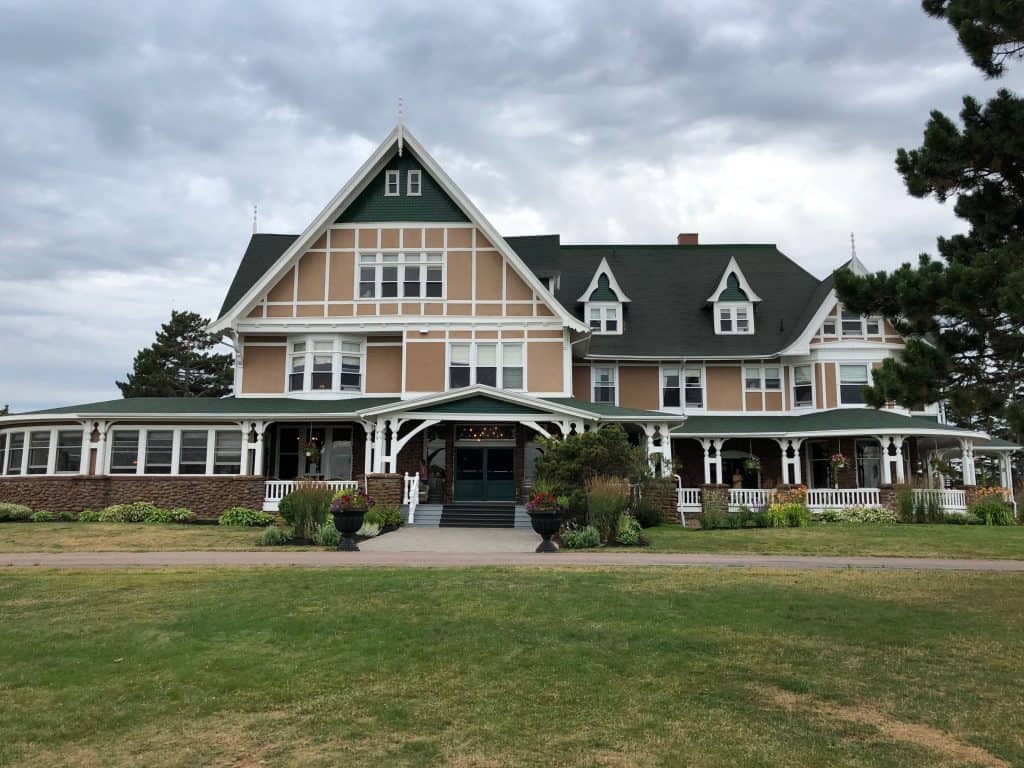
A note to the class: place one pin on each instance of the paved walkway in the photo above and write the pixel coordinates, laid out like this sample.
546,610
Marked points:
324,559
477,541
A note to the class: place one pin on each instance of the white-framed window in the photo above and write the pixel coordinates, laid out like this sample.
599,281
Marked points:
3,452
15,452
803,388
873,325
773,378
192,454
227,453
852,380
159,451
401,275
671,387
162,450
412,184
124,452
734,318
68,457
494,364
38,452
757,378
391,180
604,317
828,327
852,324
604,382
857,326
752,378
693,386
325,364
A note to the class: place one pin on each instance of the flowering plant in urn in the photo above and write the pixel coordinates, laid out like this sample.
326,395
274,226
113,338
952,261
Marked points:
543,502
350,500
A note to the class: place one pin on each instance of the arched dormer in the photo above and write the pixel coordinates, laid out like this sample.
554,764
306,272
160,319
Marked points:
603,301
733,302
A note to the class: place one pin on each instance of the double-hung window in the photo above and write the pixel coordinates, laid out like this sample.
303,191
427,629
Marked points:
38,452
413,184
852,380
159,451
15,452
3,451
192,459
603,318
803,390
227,452
69,451
725,320
670,389
873,326
391,181
124,452
772,378
828,327
297,367
401,275
762,378
604,382
752,377
351,366
492,364
852,324
322,376
693,381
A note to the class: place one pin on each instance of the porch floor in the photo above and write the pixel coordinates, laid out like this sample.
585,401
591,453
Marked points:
415,538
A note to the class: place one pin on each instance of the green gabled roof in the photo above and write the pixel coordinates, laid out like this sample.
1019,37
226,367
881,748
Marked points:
613,411
433,204
837,419
477,404
214,406
259,256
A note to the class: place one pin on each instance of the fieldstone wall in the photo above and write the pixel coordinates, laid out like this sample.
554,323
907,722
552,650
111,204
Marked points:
207,496
887,498
385,489
715,497
662,493
790,494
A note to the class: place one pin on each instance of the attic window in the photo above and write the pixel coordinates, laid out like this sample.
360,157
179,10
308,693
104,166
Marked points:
412,184
734,317
391,183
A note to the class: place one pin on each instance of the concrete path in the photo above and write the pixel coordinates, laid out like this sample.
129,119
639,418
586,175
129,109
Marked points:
477,541
324,559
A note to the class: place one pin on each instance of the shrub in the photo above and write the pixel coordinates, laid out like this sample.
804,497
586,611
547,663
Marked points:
67,517
628,531
787,516
135,512
647,513
306,507
42,516
992,510
12,512
581,537
243,516
272,536
368,530
388,516
606,501
874,515
906,504
327,535
933,511
89,516
711,518
794,494
177,515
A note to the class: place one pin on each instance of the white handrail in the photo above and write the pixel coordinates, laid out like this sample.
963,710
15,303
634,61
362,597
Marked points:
950,499
411,494
750,497
838,498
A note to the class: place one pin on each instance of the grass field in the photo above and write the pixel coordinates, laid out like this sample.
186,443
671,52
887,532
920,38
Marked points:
122,537
835,539
500,667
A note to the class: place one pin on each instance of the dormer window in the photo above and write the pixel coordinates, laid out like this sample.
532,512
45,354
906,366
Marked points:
733,302
391,183
603,302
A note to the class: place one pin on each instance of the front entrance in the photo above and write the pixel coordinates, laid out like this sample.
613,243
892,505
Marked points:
484,474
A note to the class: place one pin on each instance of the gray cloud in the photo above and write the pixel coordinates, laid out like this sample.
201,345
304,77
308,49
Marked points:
135,139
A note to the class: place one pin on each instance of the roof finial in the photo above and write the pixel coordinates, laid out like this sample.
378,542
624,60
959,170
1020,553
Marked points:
255,218
853,247
855,264
401,118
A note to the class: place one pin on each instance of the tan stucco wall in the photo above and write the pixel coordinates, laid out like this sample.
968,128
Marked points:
544,367
284,289
638,387
831,389
581,383
754,402
342,276
383,369
424,369
488,275
312,273
460,276
725,388
773,401
263,370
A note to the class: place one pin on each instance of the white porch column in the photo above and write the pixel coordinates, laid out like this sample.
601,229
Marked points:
651,448
257,454
101,447
785,444
666,451
967,456
83,460
901,476
368,428
380,445
886,460
715,461
1006,470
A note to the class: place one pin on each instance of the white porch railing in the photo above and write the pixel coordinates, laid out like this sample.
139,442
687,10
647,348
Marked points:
838,498
754,498
411,494
951,500
687,500
278,489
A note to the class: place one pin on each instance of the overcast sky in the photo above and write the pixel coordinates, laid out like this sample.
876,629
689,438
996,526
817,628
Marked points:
133,143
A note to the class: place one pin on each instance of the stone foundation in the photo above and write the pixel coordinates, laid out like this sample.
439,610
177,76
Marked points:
205,495
715,497
790,494
662,494
386,489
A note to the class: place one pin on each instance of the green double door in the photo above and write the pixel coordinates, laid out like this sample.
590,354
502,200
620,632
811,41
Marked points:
484,474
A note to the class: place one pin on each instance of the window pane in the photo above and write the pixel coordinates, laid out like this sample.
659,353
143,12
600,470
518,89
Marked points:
851,323
16,449
670,397
853,374
752,377
227,457
367,282
69,451
512,354
458,376
296,379
413,183
595,319
487,375
158,452
323,372
802,374
299,346
512,378
193,453
389,282
742,321
124,451
460,354
486,354
350,373
487,364
725,320
772,378
829,326
411,286
351,346
851,394
670,377
694,397
693,377
874,326
38,452
604,385
3,451
611,319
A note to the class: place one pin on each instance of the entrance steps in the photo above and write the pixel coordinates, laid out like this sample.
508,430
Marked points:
427,515
462,515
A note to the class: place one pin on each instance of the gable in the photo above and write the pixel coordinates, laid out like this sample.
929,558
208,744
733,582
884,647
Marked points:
372,204
603,292
478,404
732,291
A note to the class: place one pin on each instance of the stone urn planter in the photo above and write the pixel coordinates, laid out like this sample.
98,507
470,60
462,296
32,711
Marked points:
348,521
546,523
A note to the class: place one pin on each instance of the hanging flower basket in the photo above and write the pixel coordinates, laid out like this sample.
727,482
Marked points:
839,462
310,449
752,464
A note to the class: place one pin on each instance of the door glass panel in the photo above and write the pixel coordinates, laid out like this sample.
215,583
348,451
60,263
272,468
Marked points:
499,464
470,464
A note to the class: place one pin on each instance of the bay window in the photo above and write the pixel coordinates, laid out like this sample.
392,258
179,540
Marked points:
325,365
401,275
297,369
670,389
852,380
604,382
159,451
124,452
803,390
478,363
322,376
69,451
192,455
38,452
15,452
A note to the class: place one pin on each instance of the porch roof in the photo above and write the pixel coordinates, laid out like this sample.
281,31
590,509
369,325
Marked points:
839,420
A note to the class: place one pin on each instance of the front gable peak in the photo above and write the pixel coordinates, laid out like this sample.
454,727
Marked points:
733,286
603,286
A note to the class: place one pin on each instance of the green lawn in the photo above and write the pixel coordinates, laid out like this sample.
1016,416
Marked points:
122,537
500,667
835,539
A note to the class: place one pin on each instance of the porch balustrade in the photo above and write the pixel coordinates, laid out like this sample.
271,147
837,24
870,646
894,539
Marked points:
754,498
951,500
278,489
838,498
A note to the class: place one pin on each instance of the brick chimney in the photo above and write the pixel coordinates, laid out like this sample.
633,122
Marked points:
686,238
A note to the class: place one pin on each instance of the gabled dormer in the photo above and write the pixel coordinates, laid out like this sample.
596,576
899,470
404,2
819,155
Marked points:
733,302
603,301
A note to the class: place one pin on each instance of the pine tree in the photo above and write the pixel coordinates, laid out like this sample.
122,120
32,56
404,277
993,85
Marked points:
180,362
964,315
